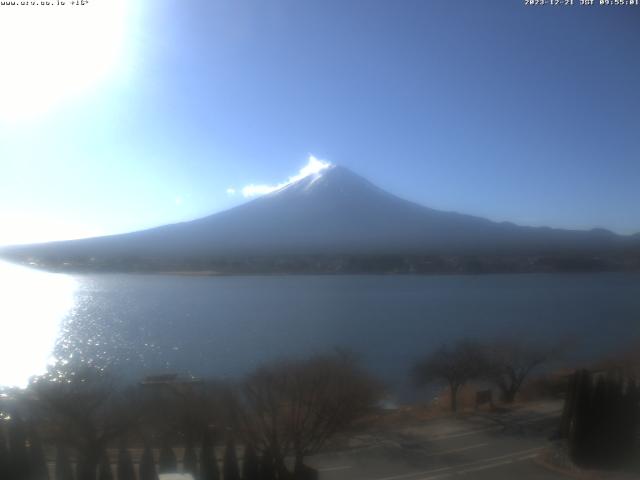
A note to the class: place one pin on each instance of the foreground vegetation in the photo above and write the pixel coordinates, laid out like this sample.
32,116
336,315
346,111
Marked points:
283,410
600,421
505,364
81,422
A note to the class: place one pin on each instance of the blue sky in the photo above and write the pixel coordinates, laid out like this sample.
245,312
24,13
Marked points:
527,114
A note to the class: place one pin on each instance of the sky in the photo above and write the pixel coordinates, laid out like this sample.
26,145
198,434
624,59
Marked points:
120,115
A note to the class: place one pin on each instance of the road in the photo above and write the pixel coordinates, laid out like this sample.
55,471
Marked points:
481,446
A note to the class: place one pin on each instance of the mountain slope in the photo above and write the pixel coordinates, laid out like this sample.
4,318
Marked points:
333,212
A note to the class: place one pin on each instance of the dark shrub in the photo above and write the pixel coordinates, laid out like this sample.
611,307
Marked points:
167,462
125,468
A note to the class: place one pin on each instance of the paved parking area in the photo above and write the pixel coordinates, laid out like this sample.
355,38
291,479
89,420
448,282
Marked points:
483,446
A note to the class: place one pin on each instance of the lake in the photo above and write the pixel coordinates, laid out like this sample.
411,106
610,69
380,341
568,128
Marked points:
225,326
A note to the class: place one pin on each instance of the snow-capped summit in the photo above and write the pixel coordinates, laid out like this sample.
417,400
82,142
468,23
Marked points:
332,180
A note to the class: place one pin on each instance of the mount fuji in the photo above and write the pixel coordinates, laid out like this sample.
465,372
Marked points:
333,213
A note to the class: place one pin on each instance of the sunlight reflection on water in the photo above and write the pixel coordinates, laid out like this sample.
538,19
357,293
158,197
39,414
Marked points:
32,307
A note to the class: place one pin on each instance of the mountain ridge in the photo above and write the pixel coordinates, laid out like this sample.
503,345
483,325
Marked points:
334,212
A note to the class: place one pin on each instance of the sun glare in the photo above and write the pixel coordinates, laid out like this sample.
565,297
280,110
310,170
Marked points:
49,54
32,307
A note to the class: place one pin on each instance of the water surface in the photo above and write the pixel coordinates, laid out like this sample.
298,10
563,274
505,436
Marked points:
225,326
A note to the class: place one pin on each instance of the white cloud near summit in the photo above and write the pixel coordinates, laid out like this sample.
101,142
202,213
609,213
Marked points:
314,165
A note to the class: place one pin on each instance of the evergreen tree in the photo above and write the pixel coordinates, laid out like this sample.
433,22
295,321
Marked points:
104,469
18,454
231,471
603,424
63,470
190,459
633,393
250,464
208,461
267,466
631,408
4,457
147,465
167,462
569,408
38,463
580,425
86,469
615,420
125,468
281,470
87,465
596,452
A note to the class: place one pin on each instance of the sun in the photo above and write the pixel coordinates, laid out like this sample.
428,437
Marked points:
51,53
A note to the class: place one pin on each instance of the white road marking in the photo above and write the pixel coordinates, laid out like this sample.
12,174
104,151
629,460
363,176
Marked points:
333,469
511,456
495,427
465,434
445,452
497,464
455,450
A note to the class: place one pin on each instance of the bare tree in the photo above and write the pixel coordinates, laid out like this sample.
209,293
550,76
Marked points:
263,410
296,407
327,394
456,365
510,361
84,409
186,407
